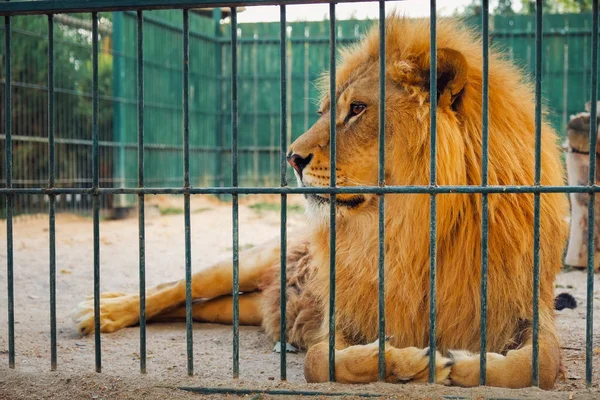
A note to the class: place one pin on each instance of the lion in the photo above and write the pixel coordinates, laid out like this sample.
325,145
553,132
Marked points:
459,160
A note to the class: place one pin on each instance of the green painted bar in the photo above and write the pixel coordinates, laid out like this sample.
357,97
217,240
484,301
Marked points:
52,205
381,178
432,182
186,199
485,16
141,198
69,6
283,182
218,180
332,184
274,392
589,327
9,196
235,205
96,196
309,190
536,200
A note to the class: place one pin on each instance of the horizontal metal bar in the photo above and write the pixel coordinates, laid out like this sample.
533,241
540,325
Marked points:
29,85
77,6
296,40
310,190
552,32
134,146
276,392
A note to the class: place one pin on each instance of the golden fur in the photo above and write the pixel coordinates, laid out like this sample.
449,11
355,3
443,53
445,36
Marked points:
459,159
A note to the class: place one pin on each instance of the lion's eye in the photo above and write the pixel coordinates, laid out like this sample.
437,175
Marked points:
356,108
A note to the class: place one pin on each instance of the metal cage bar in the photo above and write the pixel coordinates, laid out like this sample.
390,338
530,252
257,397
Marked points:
485,18
70,6
390,189
589,328
235,204
186,198
9,195
96,195
283,183
52,199
536,196
432,183
141,197
381,179
332,184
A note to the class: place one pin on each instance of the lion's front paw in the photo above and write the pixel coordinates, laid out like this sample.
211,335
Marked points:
117,310
411,364
465,371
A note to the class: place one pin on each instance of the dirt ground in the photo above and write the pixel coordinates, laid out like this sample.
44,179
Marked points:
211,239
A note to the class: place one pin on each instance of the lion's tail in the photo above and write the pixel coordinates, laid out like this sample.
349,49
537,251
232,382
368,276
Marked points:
564,300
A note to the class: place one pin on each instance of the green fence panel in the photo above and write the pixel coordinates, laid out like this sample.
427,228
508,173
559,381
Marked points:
566,72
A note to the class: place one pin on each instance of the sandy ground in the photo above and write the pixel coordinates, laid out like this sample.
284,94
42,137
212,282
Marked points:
211,239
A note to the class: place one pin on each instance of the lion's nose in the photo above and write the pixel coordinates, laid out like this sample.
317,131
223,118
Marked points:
298,162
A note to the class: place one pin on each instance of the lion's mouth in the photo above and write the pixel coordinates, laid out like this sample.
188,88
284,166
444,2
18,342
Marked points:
351,202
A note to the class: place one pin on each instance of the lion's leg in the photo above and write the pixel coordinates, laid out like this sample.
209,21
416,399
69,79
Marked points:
120,311
359,364
220,310
512,370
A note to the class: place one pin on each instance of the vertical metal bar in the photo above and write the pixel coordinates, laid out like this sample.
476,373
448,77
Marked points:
589,328
96,196
141,197
283,182
52,198
9,197
332,183
432,182
485,16
536,196
565,92
218,99
186,196
234,209
381,354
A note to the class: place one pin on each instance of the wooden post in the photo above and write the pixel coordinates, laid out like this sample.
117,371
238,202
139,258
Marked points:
577,160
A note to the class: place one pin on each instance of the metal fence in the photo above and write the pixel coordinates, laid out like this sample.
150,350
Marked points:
96,192
566,71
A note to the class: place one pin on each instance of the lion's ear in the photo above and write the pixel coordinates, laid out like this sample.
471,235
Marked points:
452,76
452,70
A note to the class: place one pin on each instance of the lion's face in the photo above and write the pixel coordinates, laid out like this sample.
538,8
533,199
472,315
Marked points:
357,144
357,127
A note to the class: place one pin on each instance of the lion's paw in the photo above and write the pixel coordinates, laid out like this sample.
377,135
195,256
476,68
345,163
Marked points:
411,364
465,371
117,310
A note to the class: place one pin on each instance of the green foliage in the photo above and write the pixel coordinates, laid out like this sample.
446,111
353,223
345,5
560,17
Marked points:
72,98
511,7
559,6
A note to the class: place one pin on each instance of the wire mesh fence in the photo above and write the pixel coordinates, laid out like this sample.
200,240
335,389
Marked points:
566,70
